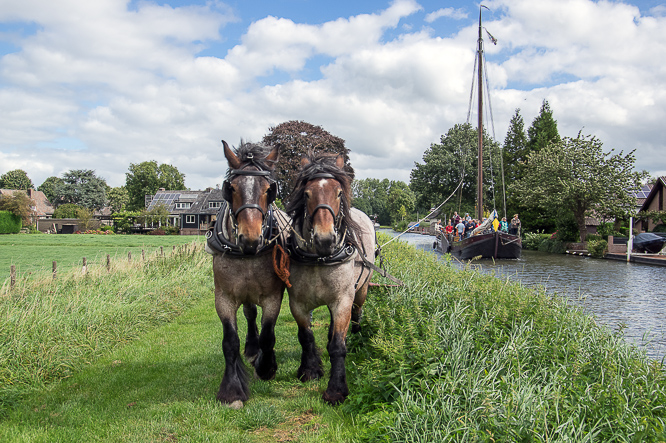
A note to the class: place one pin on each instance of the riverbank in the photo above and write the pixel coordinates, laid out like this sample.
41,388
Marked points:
453,355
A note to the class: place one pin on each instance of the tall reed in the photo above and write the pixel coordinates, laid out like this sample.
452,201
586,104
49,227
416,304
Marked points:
460,356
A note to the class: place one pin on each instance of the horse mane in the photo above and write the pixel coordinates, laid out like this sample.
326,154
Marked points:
255,154
323,163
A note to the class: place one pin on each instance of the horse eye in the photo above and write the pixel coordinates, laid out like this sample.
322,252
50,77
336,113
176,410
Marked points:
307,194
340,193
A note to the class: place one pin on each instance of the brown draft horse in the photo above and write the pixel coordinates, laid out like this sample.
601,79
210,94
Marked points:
326,267
244,234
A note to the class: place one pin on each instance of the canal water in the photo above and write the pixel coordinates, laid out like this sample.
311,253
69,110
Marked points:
621,295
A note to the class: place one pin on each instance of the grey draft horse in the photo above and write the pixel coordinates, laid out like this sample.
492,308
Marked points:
326,244
245,233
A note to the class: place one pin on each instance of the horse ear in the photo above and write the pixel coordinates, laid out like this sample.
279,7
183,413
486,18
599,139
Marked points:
304,161
226,191
273,156
232,159
340,162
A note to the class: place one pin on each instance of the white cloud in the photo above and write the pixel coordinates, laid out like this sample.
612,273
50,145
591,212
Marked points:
457,14
125,86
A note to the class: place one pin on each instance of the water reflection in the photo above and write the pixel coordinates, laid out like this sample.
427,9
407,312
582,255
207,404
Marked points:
618,294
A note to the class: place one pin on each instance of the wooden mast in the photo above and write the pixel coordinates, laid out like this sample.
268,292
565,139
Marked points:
479,179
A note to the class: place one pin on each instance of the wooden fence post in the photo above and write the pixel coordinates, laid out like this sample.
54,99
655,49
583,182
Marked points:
85,266
108,263
55,270
129,257
12,276
143,255
161,250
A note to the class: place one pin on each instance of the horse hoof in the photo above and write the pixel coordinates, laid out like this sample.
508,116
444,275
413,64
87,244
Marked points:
236,405
334,398
267,377
310,374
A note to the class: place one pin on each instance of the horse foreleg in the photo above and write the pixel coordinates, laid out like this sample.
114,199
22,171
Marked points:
311,367
252,337
234,386
337,389
265,365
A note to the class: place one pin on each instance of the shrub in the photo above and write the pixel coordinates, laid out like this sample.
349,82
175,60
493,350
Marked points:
68,210
552,246
567,227
597,248
158,231
593,237
172,230
533,240
400,226
9,223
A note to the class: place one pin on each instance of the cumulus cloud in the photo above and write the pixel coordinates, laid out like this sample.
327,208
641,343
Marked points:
457,14
99,85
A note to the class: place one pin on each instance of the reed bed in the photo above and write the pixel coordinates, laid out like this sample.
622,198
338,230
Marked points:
459,356
50,328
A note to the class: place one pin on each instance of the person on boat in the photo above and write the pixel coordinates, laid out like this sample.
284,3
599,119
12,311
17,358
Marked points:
460,227
467,216
469,227
504,226
514,227
449,228
455,218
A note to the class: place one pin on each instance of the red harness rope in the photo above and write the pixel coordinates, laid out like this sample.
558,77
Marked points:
281,264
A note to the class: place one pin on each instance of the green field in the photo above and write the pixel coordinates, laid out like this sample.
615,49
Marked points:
35,253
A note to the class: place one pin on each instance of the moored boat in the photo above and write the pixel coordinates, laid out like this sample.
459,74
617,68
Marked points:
486,241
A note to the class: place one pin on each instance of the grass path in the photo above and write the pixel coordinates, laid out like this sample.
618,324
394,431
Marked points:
163,386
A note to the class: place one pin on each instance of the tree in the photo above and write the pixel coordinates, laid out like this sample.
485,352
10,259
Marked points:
118,198
16,179
18,204
540,134
543,131
81,187
401,199
370,195
453,160
574,175
147,178
50,187
296,139
514,151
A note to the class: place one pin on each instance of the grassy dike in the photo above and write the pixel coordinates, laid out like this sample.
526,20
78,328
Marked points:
451,356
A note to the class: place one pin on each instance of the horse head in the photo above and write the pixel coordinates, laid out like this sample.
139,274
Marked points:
321,202
249,190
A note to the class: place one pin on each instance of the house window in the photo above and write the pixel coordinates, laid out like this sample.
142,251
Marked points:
183,205
189,219
214,205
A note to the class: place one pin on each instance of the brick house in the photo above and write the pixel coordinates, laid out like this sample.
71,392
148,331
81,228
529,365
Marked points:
42,207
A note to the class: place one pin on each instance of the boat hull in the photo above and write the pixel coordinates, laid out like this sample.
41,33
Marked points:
442,244
497,245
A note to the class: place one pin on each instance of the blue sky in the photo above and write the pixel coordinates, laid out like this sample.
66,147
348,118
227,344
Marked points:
99,85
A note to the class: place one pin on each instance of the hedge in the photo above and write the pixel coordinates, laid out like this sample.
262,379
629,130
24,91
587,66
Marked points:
9,223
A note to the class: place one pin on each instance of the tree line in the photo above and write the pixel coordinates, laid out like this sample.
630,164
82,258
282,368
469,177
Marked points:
553,182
